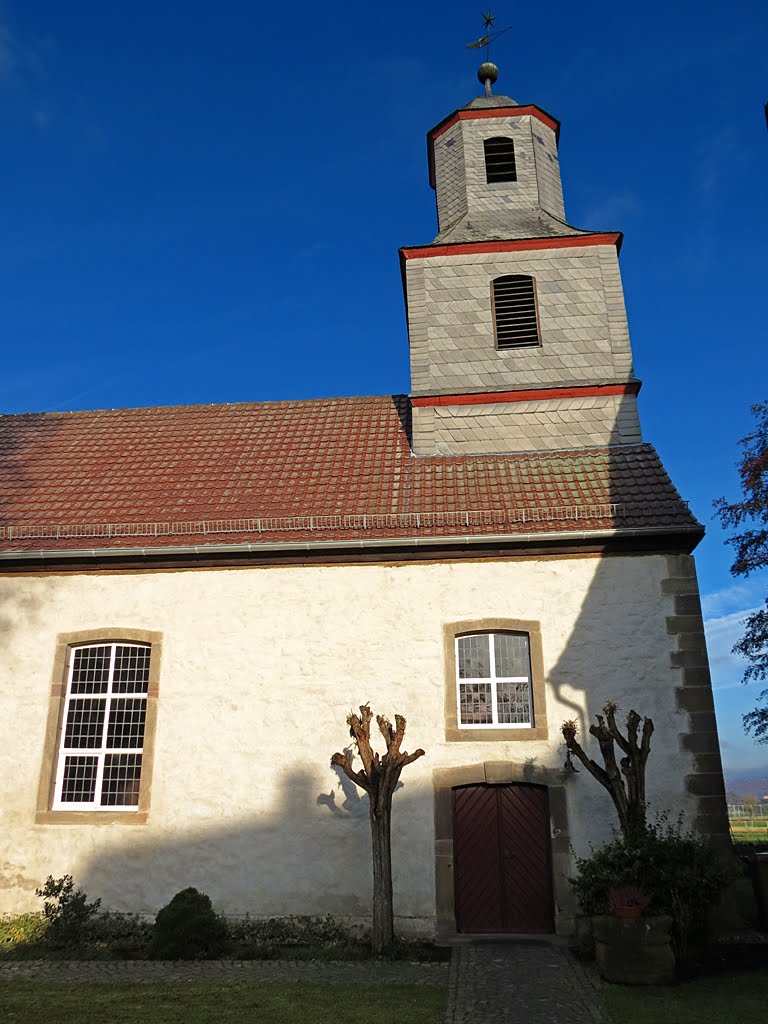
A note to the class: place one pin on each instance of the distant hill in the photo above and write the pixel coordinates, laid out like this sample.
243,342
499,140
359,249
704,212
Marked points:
747,783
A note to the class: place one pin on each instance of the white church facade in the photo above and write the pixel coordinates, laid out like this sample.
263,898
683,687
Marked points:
192,599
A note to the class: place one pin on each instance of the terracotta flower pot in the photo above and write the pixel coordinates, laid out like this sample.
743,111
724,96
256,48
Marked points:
628,913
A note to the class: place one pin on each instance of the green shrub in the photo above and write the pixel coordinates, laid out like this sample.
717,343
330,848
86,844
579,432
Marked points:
187,929
22,930
66,910
294,937
679,872
121,934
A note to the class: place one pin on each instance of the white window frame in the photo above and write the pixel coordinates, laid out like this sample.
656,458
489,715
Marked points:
101,751
493,680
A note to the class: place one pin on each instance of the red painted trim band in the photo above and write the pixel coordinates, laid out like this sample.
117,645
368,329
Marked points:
474,115
512,245
536,395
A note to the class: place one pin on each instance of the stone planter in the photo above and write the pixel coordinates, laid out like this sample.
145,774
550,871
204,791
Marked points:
760,885
634,952
583,936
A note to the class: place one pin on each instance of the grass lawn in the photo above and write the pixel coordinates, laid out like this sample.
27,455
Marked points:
201,1002
734,998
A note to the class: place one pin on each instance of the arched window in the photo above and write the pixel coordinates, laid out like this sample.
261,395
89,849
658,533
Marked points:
493,681
514,311
102,740
499,159
101,725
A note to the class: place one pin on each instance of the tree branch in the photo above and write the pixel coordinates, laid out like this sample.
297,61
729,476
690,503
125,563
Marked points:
610,710
344,761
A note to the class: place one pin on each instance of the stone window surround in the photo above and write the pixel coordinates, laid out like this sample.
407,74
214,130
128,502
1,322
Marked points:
501,773
539,731
65,643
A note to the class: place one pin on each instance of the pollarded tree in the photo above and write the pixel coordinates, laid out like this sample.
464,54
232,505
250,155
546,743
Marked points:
623,779
378,777
750,517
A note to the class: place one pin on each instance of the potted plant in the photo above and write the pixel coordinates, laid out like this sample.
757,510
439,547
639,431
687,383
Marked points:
627,901
655,872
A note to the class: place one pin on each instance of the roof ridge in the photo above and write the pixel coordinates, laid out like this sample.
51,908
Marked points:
203,405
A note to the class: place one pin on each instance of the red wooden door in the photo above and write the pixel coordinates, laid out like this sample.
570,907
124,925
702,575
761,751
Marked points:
502,859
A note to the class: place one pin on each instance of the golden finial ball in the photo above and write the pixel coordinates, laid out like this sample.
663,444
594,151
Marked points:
487,72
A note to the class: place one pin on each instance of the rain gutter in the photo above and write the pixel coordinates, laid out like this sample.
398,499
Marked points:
476,540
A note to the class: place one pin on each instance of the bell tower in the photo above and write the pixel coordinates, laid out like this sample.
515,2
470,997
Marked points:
516,320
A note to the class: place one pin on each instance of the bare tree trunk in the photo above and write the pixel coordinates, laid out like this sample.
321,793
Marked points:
383,905
378,777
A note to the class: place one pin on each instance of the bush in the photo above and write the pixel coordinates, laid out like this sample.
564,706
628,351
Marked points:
187,929
22,930
122,934
66,910
679,872
294,937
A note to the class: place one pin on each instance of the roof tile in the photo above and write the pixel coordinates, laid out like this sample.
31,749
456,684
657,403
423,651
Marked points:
273,471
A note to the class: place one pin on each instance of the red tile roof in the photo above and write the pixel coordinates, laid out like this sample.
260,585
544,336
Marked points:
330,469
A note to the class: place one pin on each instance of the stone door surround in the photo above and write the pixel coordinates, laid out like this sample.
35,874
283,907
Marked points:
500,773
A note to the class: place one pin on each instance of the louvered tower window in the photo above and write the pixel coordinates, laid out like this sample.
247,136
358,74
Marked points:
499,160
514,311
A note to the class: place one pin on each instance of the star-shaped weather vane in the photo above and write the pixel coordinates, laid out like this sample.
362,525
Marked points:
490,35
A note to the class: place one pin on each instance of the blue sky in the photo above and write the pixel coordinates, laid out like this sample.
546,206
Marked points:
203,203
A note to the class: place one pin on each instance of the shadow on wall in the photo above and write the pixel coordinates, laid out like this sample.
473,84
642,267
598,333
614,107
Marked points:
639,640
309,854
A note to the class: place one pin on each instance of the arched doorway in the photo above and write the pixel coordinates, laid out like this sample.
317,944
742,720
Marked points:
502,858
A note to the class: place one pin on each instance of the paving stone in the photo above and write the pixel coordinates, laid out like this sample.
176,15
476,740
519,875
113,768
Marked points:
488,983
520,983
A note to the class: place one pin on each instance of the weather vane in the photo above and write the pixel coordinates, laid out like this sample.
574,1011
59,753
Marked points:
488,72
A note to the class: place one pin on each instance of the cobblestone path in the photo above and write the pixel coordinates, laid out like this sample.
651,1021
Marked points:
488,983
520,983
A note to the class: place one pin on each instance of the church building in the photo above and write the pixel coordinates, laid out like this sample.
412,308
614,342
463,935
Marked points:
193,598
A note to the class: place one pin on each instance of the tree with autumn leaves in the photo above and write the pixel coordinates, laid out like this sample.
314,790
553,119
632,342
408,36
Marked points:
749,517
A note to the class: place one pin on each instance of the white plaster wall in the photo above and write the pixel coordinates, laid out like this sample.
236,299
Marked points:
260,667
583,327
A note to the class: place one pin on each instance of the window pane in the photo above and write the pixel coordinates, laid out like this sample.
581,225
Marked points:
131,669
85,723
514,703
120,784
79,779
511,652
126,722
475,704
90,670
474,657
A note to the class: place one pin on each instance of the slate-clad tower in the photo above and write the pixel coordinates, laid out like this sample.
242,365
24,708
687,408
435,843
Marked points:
516,319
